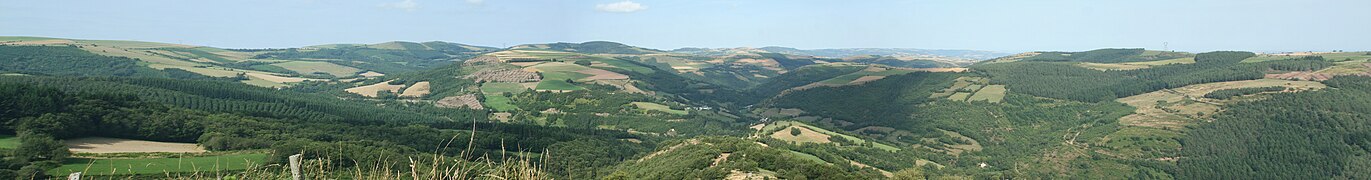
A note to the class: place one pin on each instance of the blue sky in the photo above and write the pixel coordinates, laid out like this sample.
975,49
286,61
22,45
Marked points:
1000,25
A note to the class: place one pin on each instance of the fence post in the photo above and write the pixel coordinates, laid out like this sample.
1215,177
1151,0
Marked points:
74,176
295,167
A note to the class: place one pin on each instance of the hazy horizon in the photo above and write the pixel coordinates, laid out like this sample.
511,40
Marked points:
1014,26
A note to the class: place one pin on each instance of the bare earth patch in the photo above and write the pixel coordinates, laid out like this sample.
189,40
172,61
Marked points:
467,100
942,69
116,145
806,135
372,74
419,89
601,74
865,79
370,90
1174,108
274,78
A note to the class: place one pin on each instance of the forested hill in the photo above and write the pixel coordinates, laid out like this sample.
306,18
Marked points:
1314,135
1047,78
605,110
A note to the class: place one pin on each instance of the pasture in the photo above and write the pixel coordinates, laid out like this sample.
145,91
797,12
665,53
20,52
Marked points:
659,107
502,87
991,93
781,128
9,142
499,103
1140,142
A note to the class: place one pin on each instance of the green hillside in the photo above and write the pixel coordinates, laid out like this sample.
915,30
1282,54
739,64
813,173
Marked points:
604,110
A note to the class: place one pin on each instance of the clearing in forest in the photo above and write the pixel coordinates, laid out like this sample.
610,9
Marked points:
9,142
659,107
991,93
372,90
806,135
117,145
311,67
781,128
972,89
419,89
1134,65
1175,108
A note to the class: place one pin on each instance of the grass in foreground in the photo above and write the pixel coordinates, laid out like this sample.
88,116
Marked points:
232,162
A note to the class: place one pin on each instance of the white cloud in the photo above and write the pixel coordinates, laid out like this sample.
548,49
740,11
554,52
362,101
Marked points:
620,7
476,1
407,5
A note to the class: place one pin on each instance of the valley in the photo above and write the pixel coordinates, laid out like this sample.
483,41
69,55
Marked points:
605,110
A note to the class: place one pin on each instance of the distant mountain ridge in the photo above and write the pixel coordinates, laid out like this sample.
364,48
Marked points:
847,52
592,47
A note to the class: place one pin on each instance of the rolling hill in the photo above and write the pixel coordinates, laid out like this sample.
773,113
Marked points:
605,110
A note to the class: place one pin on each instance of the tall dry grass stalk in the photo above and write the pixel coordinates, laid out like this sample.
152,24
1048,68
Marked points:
434,166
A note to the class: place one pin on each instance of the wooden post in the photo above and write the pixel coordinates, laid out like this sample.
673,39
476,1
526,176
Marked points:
295,167
74,176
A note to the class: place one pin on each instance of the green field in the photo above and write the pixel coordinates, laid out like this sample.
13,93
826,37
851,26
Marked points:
559,66
499,102
9,142
310,67
270,68
557,85
621,64
659,107
556,80
493,92
158,165
502,87
783,124
992,93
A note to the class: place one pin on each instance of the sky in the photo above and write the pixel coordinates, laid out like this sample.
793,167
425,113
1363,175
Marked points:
997,25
